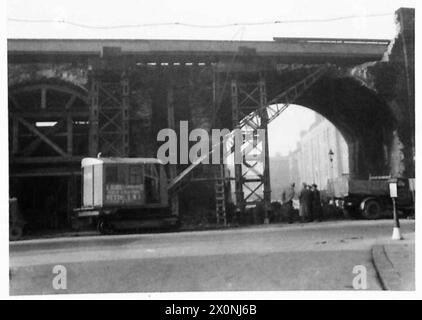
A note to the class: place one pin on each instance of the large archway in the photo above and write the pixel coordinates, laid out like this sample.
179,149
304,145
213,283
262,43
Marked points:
362,117
311,150
49,126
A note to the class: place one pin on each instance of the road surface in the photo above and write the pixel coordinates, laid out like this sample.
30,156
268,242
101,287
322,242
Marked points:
313,256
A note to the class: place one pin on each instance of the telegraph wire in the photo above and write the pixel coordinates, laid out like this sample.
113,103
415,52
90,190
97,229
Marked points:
203,26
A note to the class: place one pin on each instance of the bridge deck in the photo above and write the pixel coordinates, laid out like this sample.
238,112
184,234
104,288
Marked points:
296,48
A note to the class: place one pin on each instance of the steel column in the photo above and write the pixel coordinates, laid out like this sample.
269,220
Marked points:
109,116
125,115
93,118
266,171
220,179
171,123
240,203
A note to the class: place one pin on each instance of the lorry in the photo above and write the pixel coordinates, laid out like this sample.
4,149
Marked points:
370,198
125,193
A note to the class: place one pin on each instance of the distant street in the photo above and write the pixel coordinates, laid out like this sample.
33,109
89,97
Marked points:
314,256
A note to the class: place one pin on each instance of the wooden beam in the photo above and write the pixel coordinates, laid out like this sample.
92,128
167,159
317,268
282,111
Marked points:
70,102
31,128
35,143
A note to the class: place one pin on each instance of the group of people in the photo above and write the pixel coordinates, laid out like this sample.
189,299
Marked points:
310,208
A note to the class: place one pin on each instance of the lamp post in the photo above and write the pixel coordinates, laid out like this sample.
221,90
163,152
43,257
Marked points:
393,195
331,174
330,156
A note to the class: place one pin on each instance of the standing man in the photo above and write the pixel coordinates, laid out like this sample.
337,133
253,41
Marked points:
316,202
304,198
287,199
311,212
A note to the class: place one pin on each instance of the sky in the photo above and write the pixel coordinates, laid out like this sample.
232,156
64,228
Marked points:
205,12
109,14
284,131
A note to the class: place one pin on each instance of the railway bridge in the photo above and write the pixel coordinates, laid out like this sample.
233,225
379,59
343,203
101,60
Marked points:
72,98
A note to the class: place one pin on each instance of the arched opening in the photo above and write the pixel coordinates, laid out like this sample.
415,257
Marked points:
363,118
339,128
49,126
48,119
310,150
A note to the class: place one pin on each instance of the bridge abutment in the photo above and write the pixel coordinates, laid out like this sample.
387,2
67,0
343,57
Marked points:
392,79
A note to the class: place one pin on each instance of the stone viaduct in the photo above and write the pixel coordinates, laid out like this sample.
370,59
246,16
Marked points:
69,99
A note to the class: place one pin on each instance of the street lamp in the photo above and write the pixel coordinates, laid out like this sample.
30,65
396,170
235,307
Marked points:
330,155
331,174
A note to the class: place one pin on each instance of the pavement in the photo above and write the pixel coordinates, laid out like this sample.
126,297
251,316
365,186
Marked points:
394,262
311,256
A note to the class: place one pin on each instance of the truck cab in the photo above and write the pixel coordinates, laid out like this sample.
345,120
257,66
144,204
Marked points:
370,198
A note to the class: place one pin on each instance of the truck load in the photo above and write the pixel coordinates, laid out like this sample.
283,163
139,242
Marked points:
125,193
370,198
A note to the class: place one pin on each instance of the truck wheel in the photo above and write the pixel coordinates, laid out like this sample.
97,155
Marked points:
104,227
372,210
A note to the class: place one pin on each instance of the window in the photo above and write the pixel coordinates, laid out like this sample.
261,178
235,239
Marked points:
112,174
135,175
152,185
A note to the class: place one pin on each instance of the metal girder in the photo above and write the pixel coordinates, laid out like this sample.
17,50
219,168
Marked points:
252,177
269,110
109,117
41,136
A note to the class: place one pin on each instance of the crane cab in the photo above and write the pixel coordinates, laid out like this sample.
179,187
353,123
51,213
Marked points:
125,193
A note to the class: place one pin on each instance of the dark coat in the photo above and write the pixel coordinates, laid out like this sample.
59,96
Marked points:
305,196
316,199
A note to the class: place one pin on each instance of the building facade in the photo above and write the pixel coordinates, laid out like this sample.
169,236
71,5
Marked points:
322,154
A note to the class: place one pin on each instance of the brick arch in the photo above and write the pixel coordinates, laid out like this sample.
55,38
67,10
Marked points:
70,73
61,106
363,118
53,84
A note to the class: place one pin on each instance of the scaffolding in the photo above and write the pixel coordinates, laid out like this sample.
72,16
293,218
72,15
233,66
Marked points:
251,111
109,116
